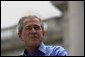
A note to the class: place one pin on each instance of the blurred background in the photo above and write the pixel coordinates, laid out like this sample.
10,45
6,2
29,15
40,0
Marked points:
63,23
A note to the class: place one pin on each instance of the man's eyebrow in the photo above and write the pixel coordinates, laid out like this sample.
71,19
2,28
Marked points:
36,25
32,25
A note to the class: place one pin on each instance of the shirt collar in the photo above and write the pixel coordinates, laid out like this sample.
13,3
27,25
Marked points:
41,48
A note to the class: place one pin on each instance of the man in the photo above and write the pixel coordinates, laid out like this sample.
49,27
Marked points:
31,32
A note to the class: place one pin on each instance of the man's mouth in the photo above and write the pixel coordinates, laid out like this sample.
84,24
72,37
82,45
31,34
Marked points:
34,37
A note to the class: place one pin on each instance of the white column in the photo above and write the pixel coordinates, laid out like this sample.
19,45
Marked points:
76,28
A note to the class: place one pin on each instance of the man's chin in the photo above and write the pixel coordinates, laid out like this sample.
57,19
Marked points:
35,43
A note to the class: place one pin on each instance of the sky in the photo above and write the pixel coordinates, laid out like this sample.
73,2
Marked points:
12,11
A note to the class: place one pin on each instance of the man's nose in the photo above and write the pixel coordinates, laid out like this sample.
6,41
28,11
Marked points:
33,30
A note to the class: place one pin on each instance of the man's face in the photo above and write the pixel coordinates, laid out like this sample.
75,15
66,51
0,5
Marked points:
32,33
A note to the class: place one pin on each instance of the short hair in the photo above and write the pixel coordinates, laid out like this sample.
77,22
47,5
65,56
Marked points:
20,23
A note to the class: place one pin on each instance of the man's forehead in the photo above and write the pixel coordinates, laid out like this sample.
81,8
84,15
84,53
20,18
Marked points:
30,22
29,25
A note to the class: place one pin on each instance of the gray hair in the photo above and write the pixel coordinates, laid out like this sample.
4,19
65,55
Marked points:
20,23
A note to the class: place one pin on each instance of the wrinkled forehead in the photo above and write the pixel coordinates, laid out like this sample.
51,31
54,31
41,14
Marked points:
34,21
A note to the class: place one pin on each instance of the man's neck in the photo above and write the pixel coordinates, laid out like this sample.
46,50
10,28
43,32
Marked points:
30,50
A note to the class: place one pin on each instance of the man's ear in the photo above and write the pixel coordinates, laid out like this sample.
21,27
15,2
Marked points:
19,34
44,33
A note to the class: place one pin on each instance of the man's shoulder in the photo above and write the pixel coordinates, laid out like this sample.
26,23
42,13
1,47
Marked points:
57,50
54,47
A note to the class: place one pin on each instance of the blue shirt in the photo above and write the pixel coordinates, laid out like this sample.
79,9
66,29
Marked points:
44,50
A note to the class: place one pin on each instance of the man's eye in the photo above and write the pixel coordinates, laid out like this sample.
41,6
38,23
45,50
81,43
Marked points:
37,28
27,28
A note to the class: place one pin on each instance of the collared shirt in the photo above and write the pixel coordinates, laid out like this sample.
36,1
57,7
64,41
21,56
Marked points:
44,50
